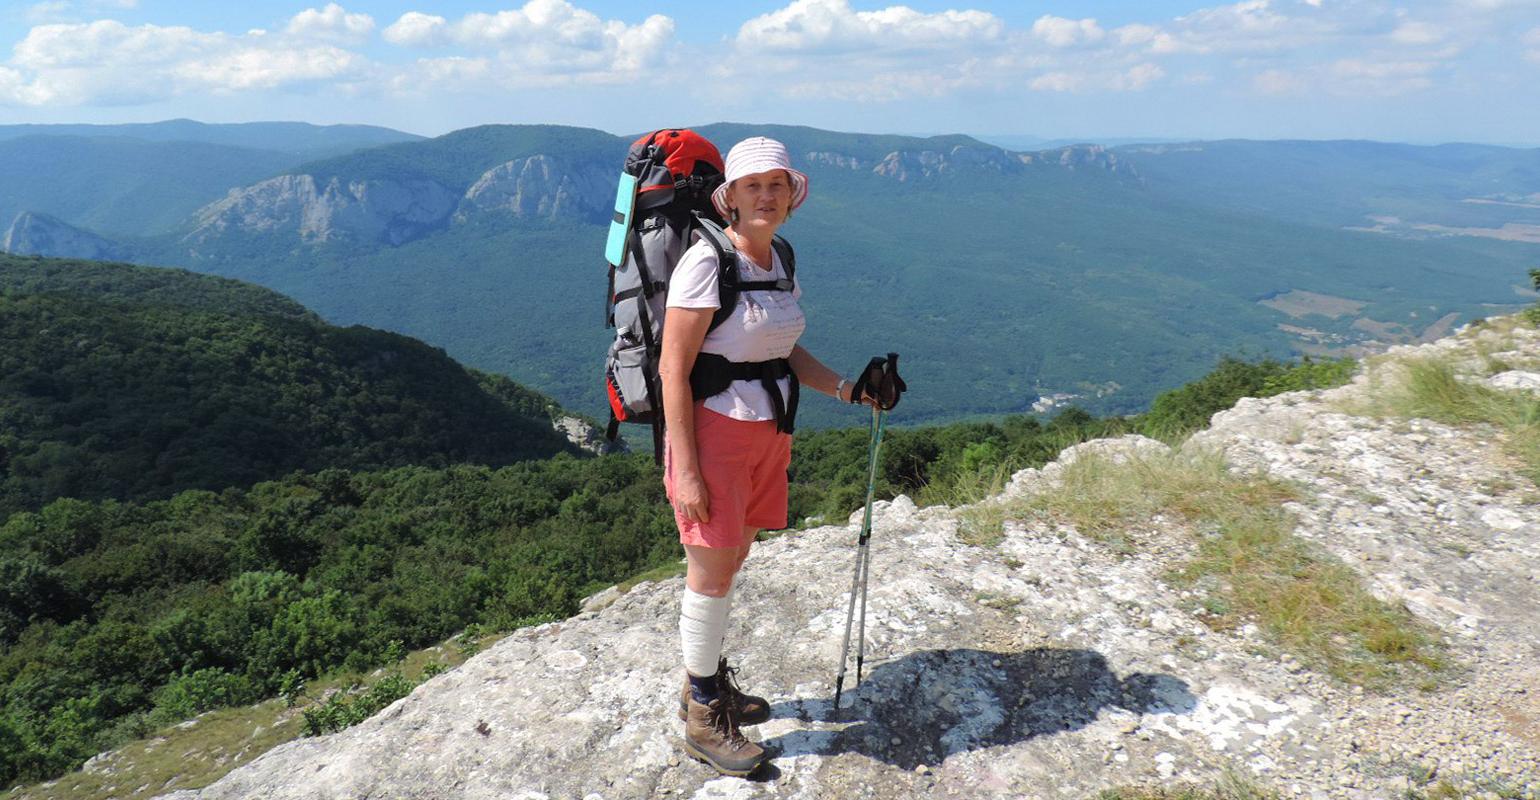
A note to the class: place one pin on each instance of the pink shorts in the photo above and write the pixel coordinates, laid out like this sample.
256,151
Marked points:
744,466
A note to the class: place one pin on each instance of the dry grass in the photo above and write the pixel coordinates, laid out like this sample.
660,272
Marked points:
1229,786
1249,562
1430,389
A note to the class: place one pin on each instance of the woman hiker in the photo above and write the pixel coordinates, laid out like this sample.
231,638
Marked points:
727,452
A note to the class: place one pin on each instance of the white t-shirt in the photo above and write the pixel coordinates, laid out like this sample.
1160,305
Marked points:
764,326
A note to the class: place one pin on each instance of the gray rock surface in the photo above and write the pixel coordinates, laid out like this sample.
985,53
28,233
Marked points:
391,212
1048,666
1516,379
32,234
584,435
543,187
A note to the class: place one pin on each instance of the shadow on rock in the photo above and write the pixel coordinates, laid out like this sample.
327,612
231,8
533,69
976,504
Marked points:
937,703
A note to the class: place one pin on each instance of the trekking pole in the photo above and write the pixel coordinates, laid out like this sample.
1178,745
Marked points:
858,580
864,551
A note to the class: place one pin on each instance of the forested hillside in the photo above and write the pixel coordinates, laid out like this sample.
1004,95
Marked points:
134,383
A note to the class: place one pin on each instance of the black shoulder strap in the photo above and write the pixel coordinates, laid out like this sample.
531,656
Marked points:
727,269
788,256
729,283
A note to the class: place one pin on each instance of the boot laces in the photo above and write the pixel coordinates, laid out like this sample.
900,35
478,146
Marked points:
725,721
727,680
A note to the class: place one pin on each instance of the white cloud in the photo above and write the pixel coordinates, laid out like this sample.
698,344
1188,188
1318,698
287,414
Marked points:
416,29
1134,79
49,11
826,49
1250,26
107,62
1277,81
1363,77
1417,33
543,43
1351,77
331,24
1135,34
70,10
832,25
259,68
1061,32
1139,77
1057,82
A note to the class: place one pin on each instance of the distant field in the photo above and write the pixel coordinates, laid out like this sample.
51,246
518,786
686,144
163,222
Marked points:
1300,303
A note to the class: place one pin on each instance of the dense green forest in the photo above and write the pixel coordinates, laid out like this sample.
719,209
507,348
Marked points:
135,383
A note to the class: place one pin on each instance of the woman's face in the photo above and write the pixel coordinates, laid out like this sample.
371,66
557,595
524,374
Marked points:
761,200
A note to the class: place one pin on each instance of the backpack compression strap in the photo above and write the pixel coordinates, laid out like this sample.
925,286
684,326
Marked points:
714,373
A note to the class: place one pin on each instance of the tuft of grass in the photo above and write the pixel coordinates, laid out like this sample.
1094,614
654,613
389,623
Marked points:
1249,564
1430,389
1229,786
660,573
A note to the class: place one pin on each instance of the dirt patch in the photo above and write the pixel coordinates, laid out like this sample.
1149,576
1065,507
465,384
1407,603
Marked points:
1439,329
1300,303
1509,232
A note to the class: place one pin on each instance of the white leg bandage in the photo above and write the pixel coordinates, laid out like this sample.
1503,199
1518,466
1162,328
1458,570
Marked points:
702,626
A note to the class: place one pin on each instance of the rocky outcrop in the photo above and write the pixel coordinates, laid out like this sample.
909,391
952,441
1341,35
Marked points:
917,165
542,187
389,212
1086,157
587,437
911,165
1050,665
393,212
836,160
32,234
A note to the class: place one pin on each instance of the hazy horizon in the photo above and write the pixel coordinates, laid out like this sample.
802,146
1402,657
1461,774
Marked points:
1426,71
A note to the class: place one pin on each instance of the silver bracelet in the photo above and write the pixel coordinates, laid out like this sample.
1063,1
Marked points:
839,387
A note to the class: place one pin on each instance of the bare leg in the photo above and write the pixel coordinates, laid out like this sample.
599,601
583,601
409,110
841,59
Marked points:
748,538
710,570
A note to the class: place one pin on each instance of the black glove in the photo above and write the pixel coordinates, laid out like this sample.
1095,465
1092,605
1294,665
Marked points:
880,381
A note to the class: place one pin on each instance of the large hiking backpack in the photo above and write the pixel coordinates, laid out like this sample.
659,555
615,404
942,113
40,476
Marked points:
662,205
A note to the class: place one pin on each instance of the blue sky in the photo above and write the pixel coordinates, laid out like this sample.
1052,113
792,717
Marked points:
1458,70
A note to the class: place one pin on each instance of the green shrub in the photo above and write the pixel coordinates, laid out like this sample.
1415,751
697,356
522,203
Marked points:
203,690
345,709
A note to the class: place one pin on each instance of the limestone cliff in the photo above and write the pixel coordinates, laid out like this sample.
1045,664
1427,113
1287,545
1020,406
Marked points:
542,187
32,234
907,166
384,211
393,212
1049,665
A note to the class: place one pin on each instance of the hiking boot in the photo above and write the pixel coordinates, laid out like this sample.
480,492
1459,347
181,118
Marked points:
752,710
711,734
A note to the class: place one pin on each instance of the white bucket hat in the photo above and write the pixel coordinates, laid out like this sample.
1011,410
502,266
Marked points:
753,156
